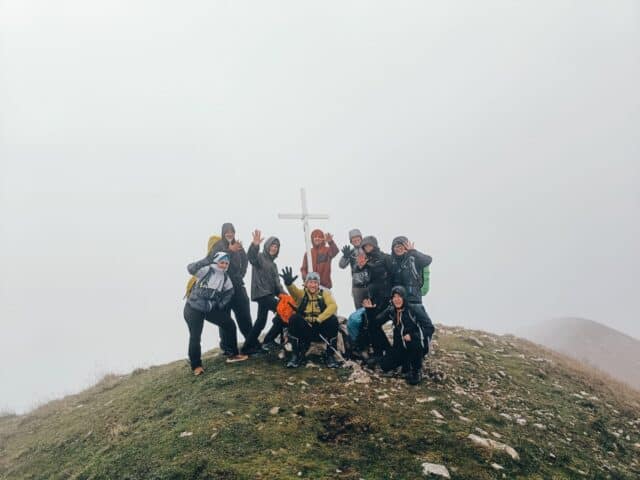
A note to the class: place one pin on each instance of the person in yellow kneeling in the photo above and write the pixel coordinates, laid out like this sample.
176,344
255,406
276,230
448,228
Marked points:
315,318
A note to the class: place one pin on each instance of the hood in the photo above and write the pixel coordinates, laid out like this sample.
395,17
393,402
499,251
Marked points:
267,244
400,290
370,240
398,240
317,233
225,228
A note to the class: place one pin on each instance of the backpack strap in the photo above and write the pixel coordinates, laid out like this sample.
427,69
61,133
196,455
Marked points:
203,281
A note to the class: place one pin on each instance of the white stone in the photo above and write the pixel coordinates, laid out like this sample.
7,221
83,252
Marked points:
496,466
425,400
521,421
437,414
274,410
186,434
493,445
435,469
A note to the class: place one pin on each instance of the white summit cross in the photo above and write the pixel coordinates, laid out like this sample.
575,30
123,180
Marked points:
305,216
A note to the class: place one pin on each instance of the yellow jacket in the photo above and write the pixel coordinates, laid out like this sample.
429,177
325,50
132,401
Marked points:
312,311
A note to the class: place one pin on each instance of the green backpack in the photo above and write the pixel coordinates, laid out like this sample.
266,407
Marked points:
425,281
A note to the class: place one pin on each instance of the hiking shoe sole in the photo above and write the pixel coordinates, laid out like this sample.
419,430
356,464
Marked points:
237,358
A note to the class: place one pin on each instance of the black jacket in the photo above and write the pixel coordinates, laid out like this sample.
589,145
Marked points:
379,268
412,320
264,272
406,271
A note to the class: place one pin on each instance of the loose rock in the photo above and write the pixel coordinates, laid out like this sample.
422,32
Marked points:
493,445
435,469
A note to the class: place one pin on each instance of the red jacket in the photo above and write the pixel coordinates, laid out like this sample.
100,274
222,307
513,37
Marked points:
321,261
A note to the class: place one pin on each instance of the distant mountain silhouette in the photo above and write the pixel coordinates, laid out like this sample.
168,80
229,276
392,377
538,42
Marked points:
592,343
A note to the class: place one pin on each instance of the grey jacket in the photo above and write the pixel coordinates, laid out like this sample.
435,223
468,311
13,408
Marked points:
264,272
213,289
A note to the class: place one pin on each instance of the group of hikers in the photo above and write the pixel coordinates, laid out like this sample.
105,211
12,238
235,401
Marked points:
385,287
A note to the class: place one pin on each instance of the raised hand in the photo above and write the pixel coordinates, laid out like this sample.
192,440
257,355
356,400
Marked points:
235,247
362,260
287,276
257,237
346,251
328,237
409,245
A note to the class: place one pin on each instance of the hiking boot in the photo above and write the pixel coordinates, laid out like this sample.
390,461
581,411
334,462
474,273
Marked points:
198,371
269,347
330,354
252,350
414,377
296,360
373,361
297,357
237,358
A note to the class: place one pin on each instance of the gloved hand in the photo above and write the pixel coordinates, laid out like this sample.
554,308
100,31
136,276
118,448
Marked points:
287,276
346,251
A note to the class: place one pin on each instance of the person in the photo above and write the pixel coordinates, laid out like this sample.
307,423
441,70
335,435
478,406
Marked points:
378,265
238,264
315,319
209,300
359,275
412,332
265,286
323,250
407,265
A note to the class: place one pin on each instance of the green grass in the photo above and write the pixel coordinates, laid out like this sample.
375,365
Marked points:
128,427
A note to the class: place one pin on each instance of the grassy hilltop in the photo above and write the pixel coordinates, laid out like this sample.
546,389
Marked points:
257,419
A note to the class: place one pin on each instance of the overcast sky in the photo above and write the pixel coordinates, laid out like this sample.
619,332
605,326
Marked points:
502,137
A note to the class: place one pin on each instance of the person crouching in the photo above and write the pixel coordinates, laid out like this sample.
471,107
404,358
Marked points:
412,331
315,319
209,300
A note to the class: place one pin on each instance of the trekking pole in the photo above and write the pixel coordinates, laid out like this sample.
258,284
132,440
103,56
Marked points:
340,357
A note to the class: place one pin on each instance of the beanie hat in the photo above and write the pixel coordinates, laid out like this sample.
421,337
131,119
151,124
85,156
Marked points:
312,276
220,256
354,233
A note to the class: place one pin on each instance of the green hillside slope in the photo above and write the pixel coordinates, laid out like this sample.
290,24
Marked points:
257,419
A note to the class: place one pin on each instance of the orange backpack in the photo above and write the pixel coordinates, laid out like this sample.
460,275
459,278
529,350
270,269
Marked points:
286,307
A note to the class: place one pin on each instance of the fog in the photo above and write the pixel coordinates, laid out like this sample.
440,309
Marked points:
503,138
